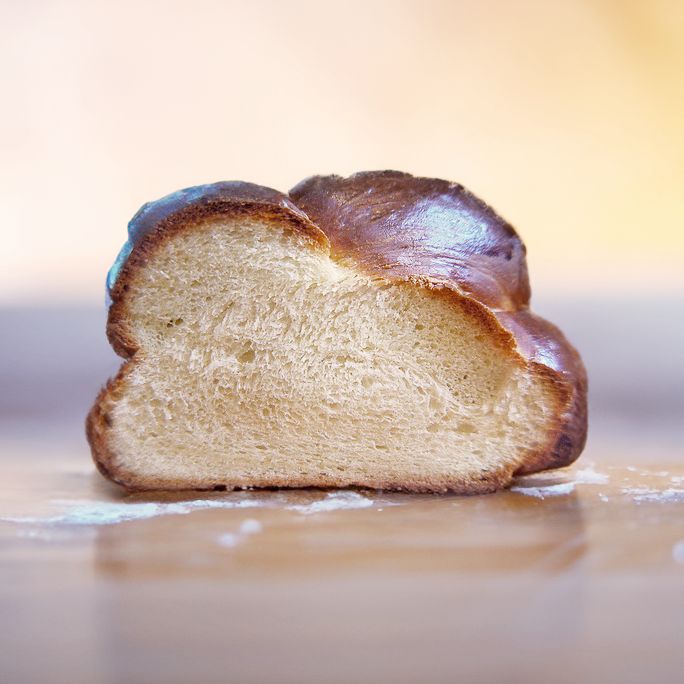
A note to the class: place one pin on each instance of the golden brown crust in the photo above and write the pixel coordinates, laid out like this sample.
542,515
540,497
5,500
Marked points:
423,232
396,225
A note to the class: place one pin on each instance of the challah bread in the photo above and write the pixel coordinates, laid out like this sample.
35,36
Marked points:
372,331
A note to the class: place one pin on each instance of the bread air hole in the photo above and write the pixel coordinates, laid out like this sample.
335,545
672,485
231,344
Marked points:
246,356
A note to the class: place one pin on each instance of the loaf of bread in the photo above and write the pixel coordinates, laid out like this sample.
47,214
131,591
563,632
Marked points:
371,331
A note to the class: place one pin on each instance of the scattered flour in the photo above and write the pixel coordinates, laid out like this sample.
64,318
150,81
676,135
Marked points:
335,501
247,528
229,540
108,513
589,476
89,513
678,552
560,489
642,494
251,526
586,475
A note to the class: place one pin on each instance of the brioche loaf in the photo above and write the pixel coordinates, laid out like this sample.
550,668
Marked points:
369,331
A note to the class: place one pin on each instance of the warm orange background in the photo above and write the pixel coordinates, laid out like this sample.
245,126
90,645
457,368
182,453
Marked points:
567,116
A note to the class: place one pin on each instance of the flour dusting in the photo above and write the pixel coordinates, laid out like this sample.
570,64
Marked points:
650,494
334,501
79,512
109,513
229,540
247,528
251,526
542,492
589,475
678,552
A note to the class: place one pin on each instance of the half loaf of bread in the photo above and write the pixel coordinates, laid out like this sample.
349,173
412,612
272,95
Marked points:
370,331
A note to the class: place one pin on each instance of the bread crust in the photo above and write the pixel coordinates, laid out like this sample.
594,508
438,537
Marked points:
417,231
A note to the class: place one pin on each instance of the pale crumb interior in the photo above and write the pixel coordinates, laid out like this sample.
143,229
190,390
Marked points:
263,362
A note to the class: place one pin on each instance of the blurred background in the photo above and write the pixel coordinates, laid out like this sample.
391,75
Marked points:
566,116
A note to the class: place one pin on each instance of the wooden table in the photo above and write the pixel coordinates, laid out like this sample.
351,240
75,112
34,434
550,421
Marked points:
572,576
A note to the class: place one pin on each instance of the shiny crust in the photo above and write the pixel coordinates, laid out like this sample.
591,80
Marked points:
423,232
398,226
394,224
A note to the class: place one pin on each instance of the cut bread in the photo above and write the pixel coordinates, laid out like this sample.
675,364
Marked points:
322,341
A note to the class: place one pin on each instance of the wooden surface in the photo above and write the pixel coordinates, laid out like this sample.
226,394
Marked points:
584,584
573,576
